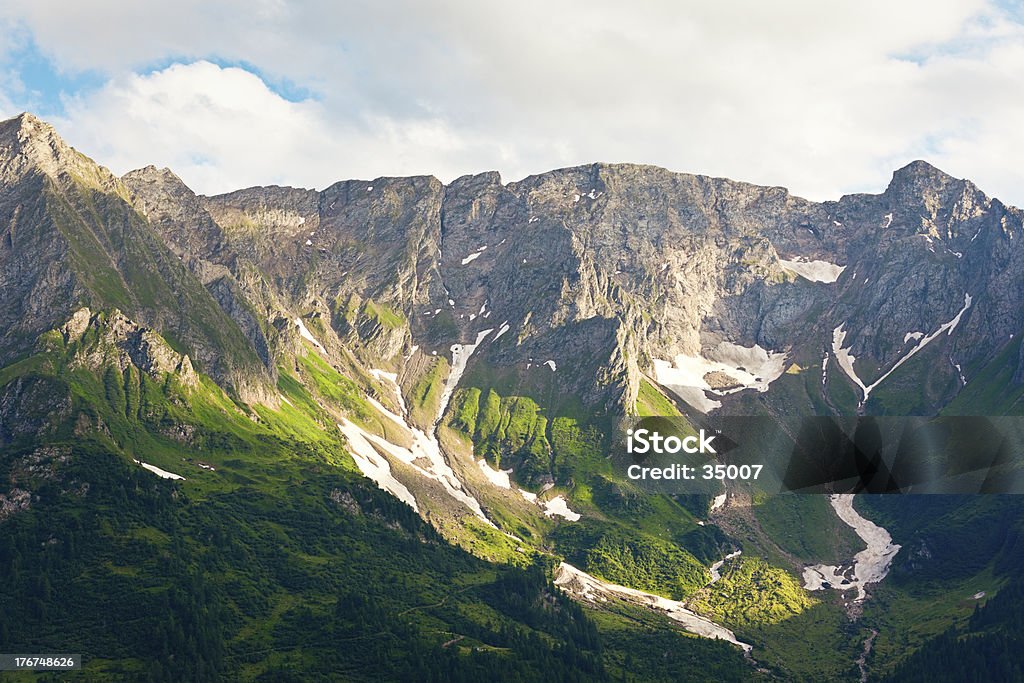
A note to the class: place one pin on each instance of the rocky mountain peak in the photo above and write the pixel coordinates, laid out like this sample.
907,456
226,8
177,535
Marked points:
932,201
158,189
29,145
919,170
26,141
25,126
920,181
154,175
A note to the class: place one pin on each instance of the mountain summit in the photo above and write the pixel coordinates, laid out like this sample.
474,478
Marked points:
71,238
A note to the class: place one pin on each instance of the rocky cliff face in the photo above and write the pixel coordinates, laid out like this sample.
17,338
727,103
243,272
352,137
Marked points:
601,274
605,270
119,342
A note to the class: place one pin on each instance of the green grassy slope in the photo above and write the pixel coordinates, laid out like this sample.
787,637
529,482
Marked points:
272,560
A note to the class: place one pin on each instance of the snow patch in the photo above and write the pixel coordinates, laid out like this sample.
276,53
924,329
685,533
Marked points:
163,474
868,566
888,220
959,370
373,465
424,449
719,501
551,364
846,359
392,379
715,573
749,368
384,375
815,271
499,478
501,330
474,255
306,335
460,357
558,506
912,335
581,584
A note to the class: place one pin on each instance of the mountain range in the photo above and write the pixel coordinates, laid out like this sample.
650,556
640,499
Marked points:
363,432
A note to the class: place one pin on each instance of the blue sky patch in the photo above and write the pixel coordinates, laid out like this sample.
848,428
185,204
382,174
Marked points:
37,85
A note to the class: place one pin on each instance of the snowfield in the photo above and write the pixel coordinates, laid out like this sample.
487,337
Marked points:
499,478
815,271
424,455
373,465
749,368
163,474
306,335
558,506
715,573
868,566
460,357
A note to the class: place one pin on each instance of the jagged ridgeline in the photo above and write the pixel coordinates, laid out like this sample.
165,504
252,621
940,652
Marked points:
363,431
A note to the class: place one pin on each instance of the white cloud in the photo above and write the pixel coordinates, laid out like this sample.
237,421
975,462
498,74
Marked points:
223,128
820,97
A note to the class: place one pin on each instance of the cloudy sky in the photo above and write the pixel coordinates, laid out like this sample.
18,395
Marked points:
825,98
